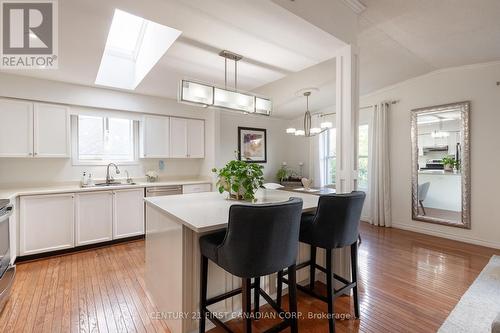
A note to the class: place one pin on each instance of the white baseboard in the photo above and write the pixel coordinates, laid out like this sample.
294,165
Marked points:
432,232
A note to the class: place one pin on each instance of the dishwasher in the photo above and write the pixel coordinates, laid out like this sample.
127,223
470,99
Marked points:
158,191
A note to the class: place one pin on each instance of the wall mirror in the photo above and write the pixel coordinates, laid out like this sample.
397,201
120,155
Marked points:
440,164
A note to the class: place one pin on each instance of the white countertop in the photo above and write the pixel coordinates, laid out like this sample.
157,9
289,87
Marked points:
10,193
208,211
439,172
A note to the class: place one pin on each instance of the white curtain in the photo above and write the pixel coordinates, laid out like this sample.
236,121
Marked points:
380,185
317,160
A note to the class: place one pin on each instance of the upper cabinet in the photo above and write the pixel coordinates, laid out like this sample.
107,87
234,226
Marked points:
33,129
154,135
16,135
172,137
187,138
178,138
51,130
196,138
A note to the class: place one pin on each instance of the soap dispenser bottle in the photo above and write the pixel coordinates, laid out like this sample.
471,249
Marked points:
84,180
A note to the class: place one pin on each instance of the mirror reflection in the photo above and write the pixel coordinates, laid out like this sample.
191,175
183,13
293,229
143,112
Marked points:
439,135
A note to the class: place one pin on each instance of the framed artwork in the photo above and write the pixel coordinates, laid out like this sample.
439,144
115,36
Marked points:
252,144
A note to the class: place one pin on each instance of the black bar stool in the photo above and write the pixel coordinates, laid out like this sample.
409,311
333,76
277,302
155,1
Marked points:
335,225
259,240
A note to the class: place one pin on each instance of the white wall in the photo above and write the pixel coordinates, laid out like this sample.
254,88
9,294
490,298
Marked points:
39,171
280,146
476,83
220,134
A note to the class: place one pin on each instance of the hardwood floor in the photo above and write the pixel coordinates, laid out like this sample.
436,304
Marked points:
409,283
99,290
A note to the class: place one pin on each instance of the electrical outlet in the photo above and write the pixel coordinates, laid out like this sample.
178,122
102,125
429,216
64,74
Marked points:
161,165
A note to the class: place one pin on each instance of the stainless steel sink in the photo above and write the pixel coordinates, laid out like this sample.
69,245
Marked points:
114,184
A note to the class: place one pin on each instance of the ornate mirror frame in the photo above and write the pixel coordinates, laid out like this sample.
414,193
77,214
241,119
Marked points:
464,108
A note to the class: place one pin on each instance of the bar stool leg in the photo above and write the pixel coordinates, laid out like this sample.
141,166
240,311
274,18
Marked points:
246,305
256,296
279,288
329,291
312,268
203,292
354,268
292,298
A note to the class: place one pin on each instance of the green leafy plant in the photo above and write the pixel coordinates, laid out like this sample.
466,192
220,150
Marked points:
240,179
451,162
282,174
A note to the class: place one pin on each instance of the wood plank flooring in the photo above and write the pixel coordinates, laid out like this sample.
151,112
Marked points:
409,283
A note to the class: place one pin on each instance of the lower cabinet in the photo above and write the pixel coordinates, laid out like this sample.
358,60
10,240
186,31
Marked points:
128,210
94,217
62,221
46,223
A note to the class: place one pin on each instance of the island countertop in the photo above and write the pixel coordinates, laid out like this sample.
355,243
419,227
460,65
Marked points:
208,211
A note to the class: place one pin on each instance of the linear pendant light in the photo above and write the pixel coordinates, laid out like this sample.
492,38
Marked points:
207,95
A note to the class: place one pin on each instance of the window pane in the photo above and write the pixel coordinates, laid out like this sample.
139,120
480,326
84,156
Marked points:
363,157
90,137
332,170
363,172
332,141
119,144
363,140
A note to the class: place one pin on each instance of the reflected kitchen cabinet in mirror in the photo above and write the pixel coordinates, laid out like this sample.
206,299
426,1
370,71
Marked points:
440,164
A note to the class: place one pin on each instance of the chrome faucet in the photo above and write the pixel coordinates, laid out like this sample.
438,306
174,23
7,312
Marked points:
109,178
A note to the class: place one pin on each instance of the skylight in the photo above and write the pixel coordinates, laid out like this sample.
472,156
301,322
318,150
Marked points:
133,47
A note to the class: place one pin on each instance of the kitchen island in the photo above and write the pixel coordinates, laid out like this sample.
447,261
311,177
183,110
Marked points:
173,226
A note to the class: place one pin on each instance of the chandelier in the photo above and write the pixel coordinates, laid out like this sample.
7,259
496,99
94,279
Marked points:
208,95
310,130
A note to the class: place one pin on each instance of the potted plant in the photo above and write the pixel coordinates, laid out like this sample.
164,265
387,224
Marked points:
240,179
282,174
450,163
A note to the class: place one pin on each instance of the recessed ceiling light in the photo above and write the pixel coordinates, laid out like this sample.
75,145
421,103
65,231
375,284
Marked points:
134,45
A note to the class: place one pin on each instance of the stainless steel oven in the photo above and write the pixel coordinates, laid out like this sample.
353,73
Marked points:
7,271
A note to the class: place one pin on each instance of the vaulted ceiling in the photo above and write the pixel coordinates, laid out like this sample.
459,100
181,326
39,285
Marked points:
273,42
283,52
403,39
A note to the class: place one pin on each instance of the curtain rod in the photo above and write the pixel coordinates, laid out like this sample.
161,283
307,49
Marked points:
371,106
361,108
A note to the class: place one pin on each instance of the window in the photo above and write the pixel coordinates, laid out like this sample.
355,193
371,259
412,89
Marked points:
363,157
330,156
330,143
100,140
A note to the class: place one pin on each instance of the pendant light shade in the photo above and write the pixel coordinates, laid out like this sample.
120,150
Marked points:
209,95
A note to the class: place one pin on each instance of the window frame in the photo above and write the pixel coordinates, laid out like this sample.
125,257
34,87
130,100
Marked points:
75,157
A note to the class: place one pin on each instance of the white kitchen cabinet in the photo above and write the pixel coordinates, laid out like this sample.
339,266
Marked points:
34,129
196,138
51,130
154,135
187,138
128,208
94,217
196,188
46,223
16,135
178,137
